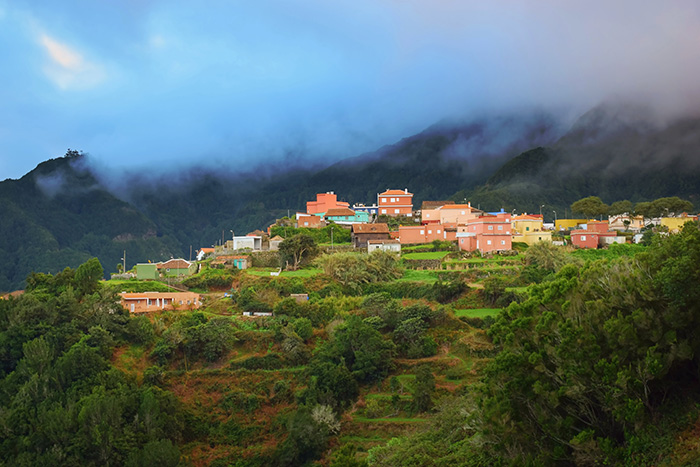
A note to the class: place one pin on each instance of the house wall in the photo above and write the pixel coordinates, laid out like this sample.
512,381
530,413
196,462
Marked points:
154,301
566,224
395,204
147,271
359,240
456,214
430,216
584,239
420,233
675,224
527,225
493,242
598,226
533,237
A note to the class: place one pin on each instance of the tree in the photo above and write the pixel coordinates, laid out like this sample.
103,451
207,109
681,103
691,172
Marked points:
590,207
424,388
296,250
88,276
621,207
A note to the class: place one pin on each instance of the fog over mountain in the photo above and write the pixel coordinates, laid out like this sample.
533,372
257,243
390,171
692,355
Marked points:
156,87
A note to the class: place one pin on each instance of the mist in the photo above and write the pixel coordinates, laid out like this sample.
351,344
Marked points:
155,88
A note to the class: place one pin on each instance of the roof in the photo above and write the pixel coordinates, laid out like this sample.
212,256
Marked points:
435,204
207,250
383,242
527,217
370,228
256,233
396,192
141,295
277,238
340,212
174,264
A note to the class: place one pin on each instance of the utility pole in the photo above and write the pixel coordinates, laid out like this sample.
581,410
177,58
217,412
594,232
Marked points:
124,263
331,237
190,252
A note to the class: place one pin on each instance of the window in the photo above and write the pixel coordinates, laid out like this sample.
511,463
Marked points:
461,240
393,199
438,230
527,229
488,242
383,200
583,238
429,232
306,223
503,242
422,232
462,212
490,227
427,215
383,211
500,227
396,211
150,302
180,302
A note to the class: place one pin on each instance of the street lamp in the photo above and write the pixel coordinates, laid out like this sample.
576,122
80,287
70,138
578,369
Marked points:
541,210
555,216
124,263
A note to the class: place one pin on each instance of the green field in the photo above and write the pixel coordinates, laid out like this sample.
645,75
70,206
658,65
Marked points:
477,312
426,255
265,272
413,275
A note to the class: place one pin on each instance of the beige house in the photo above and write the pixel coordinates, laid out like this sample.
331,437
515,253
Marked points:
144,302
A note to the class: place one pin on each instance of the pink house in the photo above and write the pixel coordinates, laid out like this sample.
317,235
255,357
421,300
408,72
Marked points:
486,234
409,234
324,202
450,214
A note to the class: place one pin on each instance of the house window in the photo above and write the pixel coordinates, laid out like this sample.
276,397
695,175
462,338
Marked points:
583,238
150,302
422,232
383,211
396,211
306,223
461,240
500,227
503,242
393,199
438,230
490,227
474,228
429,232
488,242
462,212
383,200
427,215
180,302
527,229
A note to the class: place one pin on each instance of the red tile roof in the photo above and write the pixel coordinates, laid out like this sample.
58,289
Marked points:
435,204
174,264
340,212
370,228
395,192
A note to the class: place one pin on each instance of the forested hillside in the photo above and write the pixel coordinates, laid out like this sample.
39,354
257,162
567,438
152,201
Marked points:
545,357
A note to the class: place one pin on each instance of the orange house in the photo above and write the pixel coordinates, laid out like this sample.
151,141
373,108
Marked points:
144,302
486,234
395,203
409,234
325,202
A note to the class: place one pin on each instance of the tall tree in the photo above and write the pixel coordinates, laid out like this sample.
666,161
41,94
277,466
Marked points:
591,206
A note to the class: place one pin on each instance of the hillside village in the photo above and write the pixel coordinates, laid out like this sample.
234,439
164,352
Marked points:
388,225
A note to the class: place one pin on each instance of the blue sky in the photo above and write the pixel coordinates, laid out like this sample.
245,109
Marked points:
148,84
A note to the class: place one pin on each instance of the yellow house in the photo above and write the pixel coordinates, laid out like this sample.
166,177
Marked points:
533,237
526,223
675,224
567,224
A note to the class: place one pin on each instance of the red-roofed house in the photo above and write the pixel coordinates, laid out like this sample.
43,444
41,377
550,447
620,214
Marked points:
309,220
410,234
395,203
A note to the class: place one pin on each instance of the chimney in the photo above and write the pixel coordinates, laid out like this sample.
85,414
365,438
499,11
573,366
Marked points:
405,190
469,203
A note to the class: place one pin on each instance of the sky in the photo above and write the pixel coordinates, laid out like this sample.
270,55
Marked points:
166,85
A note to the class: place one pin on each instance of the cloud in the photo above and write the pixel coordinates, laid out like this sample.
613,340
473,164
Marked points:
67,68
